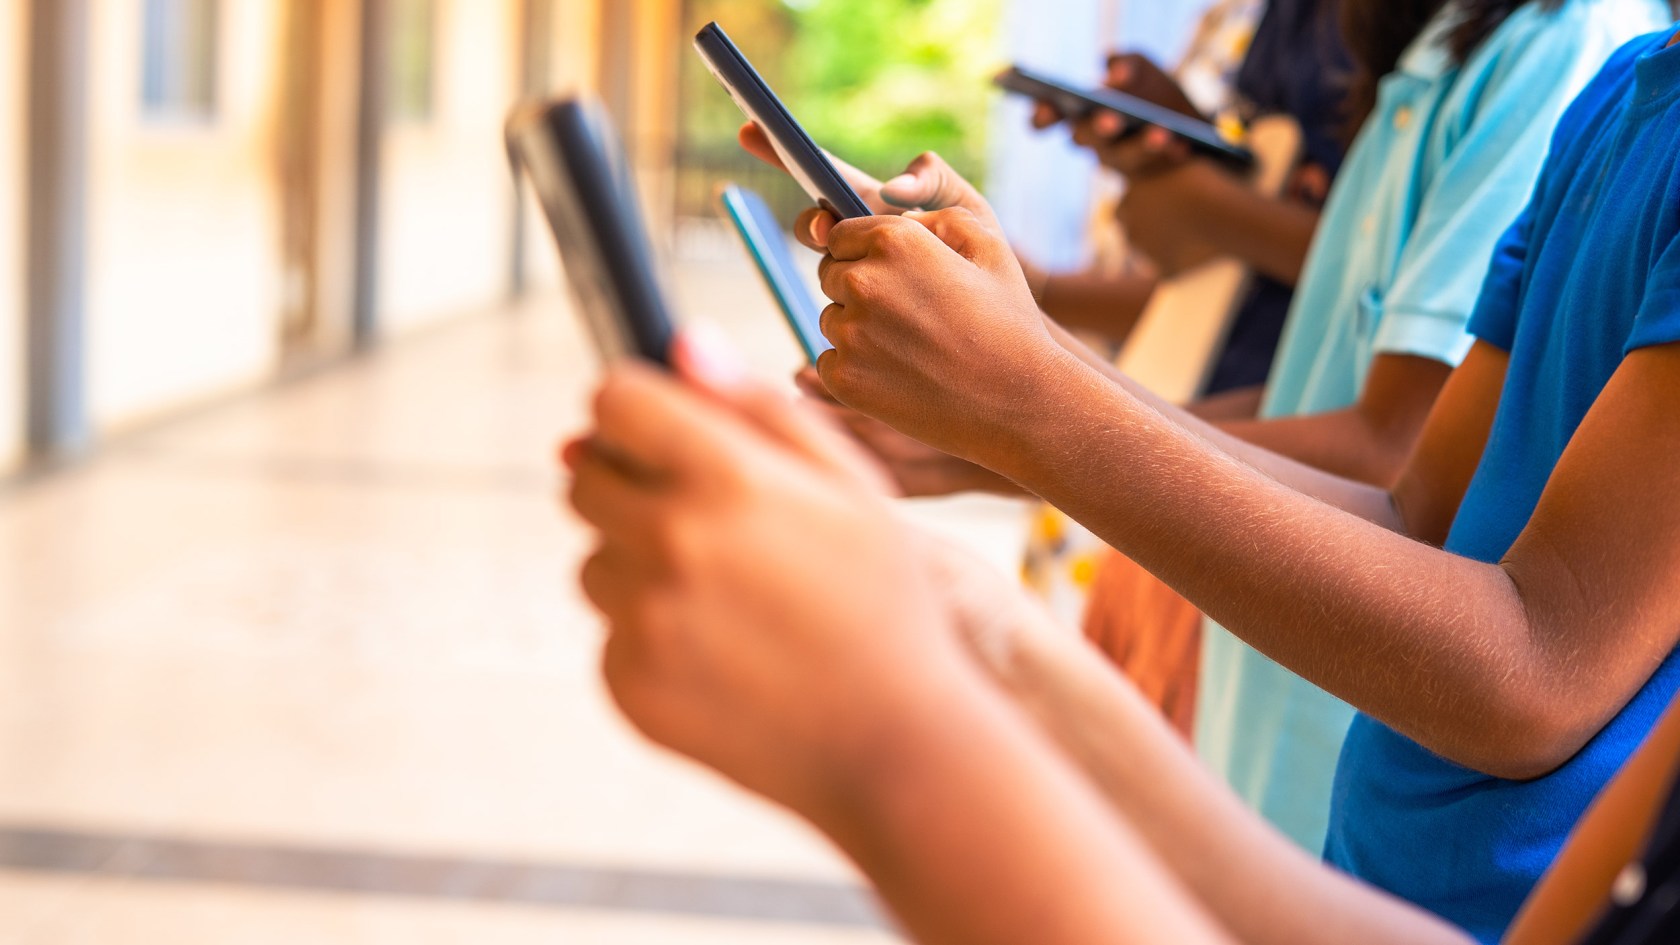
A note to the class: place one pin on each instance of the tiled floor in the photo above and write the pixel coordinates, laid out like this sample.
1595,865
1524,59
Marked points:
310,667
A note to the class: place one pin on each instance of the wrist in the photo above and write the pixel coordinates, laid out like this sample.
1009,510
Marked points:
1013,421
884,759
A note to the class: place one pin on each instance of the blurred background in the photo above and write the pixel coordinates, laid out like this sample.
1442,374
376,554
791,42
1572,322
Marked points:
289,649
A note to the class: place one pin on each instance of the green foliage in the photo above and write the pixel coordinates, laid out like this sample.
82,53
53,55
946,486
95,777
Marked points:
880,81
876,81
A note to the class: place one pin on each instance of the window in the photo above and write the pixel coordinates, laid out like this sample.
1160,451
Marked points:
413,90
179,61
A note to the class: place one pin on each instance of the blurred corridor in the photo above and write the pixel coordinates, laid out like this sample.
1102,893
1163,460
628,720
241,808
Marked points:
290,649
311,667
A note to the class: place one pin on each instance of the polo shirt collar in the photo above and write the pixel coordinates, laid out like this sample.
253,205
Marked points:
1428,57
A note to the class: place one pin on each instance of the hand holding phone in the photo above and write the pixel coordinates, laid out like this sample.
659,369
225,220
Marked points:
800,155
1073,103
767,244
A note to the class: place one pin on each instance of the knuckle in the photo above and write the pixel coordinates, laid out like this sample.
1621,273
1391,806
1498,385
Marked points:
894,233
594,579
828,321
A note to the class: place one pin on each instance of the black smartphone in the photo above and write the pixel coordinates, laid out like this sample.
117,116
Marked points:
804,160
572,157
1074,102
768,245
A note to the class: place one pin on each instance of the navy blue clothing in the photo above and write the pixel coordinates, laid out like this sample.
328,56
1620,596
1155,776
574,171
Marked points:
1298,66
1588,275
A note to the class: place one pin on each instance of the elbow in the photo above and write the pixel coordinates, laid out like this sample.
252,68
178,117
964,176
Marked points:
1529,735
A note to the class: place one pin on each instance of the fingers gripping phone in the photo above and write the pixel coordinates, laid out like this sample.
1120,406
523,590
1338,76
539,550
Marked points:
572,157
803,159
1074,102
768,246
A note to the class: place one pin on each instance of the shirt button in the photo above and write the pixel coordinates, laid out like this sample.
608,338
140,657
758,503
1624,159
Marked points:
1629,887
1369,225
1402,119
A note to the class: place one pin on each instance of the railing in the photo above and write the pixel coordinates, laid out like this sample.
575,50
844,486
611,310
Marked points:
698,173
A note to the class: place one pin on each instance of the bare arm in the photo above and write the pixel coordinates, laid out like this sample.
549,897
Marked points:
1368,442
1108,305
1369,502
1198,204
993,838
1258,884
1467,658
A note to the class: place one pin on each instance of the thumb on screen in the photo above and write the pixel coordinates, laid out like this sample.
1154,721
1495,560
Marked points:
929,184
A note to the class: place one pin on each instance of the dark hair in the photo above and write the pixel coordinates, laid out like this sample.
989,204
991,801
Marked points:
1378,32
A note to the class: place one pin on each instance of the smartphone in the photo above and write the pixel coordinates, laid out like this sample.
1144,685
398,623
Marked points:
1074,102
768,245
571,155
807,163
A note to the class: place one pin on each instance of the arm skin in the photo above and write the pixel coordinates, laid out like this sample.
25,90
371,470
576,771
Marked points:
1260,886
1232,405
1257,883
1508,668
1182,210
1368,443
1047,864
1108,305
1501,667
1212,208
730,641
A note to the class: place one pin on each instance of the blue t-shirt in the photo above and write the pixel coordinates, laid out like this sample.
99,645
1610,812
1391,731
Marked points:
1448,158
1589,273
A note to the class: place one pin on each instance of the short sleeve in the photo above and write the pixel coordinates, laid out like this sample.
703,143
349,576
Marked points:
1658,321
1484,183
1494,319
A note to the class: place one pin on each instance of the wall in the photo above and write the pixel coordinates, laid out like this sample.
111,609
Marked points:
183,246
446,219
12,66
574,58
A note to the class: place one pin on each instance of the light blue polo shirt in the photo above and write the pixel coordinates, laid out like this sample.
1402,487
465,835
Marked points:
1445,163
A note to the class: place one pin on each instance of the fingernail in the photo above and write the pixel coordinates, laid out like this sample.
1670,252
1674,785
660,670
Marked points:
709,357
908,187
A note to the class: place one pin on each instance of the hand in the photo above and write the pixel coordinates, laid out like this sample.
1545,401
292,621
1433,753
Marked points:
1137,74
1135,153
1161,219
1118,142
919,469
995,618
934,328
755,581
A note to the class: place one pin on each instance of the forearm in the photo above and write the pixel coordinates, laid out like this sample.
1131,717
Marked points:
1241,404
1341,442
1437,646
1355,497
1109,305
1272,236
976,832
1259,885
